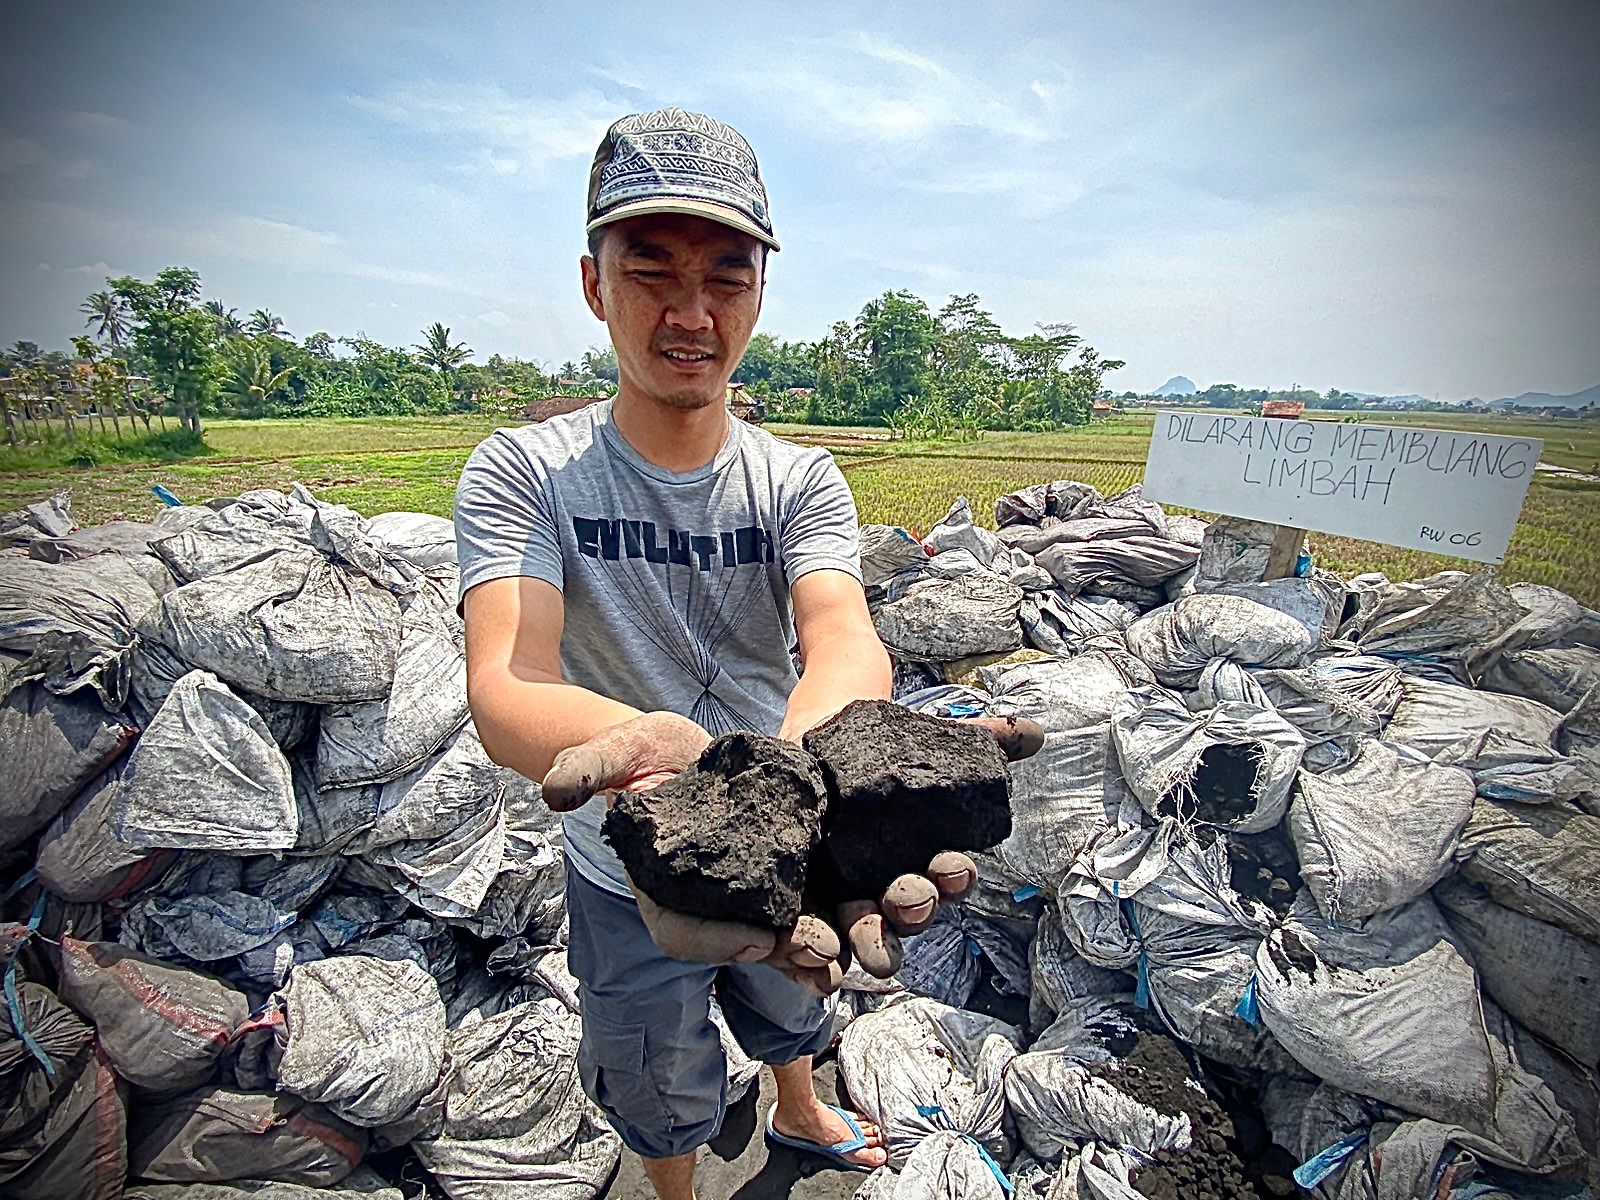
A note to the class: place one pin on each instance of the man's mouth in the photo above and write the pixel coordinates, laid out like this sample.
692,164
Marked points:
689,356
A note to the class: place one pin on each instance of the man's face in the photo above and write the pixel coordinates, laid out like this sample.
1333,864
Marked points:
680,296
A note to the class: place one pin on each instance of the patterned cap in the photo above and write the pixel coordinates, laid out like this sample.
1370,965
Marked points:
673,161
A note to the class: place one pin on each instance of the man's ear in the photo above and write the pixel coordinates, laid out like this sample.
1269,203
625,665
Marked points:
591,286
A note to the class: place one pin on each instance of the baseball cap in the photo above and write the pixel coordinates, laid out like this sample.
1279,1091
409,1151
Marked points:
672,161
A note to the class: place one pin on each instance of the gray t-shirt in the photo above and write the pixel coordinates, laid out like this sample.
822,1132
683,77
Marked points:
675,586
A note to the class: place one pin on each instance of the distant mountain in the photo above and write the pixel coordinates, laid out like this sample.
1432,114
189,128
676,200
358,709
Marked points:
1178,385
1546,400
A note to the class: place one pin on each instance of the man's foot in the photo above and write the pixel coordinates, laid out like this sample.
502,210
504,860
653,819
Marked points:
823,1126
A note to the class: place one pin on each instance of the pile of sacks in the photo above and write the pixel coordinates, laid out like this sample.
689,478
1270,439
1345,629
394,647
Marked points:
1303,890
1302,893
272,911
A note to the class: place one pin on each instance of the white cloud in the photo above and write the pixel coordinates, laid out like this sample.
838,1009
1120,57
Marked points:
43,268
494,318
97,270
97,124
16,153
524,133
621,76
886,51
282,245
871,89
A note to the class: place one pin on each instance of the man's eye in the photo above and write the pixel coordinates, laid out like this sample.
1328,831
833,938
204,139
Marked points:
731,283
649,275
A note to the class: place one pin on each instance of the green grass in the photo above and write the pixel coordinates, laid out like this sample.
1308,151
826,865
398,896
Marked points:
289,437
88,450
378,464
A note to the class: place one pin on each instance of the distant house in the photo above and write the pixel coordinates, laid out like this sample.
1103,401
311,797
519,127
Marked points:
799,393
543,410
1102,408
745,406
1291,409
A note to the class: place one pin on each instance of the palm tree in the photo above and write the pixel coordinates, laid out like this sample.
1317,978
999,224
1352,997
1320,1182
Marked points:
228,323
104,312
253,381
264,321
438,352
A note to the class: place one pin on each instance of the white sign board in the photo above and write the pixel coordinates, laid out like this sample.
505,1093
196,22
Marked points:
1449,491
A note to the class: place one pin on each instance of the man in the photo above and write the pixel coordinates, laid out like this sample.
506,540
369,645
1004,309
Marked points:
633,577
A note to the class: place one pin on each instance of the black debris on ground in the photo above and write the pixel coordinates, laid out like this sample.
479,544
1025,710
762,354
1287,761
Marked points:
730,838
1153,1070
903,787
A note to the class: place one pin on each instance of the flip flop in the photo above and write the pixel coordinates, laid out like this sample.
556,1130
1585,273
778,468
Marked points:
835,1152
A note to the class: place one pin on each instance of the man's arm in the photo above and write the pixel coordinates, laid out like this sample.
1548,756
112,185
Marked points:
525,712
840,653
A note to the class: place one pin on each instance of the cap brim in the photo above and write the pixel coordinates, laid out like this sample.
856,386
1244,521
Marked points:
692,208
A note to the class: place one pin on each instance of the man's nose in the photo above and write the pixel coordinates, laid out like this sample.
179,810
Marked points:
690,310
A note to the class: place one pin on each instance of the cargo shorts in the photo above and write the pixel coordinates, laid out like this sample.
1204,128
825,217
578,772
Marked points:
650,1056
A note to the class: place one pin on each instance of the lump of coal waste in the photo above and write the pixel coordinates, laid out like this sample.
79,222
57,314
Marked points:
1152,1070
1264,867
729,838
902,788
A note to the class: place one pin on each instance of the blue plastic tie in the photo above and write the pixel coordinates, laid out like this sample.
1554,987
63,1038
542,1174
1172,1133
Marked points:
963,709
973,947
1027,892
1302,565
988,1161
1249,1006
937,1110
1141,993
166,497
1325,1162
14,1004
19,883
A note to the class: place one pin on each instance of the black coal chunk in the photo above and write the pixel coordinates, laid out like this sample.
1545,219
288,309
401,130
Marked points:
729,838
902,787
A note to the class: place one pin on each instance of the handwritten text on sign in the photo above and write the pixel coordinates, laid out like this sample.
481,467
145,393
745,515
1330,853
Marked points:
1450,491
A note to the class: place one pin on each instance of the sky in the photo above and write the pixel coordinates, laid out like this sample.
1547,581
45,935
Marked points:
1388,197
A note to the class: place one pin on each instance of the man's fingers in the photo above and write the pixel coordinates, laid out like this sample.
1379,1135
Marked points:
810,944
577,773
910,902
872,943
953,873
1019,737
639,753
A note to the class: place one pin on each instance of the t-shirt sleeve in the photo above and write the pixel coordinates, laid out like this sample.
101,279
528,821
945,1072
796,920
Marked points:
820,529
505,525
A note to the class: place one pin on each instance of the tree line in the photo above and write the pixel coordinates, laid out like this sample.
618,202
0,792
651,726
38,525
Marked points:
898,363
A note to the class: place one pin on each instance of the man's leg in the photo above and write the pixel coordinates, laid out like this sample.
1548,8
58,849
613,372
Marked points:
672,1178
800,1114
649,1056
783,1024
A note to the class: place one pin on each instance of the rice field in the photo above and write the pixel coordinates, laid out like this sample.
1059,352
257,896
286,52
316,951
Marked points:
380,464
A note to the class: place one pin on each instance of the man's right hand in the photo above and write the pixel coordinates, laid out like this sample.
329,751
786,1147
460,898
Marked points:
633,756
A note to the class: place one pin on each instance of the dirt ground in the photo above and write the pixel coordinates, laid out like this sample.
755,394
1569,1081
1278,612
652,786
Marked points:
739,1165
